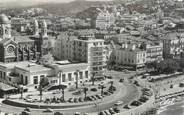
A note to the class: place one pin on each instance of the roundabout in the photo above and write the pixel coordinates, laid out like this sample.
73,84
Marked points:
124,92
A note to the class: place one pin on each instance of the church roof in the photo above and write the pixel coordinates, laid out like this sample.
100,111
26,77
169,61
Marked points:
4,19
22,39
4,40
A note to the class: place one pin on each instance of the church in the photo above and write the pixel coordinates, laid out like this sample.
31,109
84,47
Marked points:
21,48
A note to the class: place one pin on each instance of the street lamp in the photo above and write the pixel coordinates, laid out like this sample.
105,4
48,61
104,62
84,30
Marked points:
21,91
101,86
60,74
93,78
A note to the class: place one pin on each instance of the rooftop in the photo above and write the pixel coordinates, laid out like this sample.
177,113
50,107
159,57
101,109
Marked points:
4,19
22,39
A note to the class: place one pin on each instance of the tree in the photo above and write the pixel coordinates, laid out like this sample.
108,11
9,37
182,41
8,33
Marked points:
43,82
41,92
101,86
20,90
63,87
85,92
167,66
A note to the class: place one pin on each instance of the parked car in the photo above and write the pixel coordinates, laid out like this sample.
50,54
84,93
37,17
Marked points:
99,96
101,113
116,109
77,113
126,107
76,100
58,113
111,110
107,112
94,89
49,110
118,103
121,80
71,100
135,103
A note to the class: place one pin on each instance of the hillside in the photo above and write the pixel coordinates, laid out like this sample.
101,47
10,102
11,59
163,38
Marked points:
69,9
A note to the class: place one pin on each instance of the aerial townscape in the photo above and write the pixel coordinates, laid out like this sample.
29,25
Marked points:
117,57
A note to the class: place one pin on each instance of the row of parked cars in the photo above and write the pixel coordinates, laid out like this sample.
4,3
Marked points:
110,111
146,93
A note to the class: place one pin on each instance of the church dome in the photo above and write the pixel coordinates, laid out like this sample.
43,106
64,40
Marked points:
4,19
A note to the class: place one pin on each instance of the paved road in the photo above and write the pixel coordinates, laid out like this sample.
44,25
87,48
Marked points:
130,95
176,109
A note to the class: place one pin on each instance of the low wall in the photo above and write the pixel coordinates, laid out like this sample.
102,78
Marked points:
36,106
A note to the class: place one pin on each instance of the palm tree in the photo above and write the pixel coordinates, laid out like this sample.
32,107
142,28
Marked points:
77,75
43,82
101,87
21,90
85,92
41,92
63,87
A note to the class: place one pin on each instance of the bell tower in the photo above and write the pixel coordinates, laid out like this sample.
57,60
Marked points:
36,28
44,29
5,27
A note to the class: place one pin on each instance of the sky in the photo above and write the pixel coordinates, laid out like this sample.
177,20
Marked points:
40,1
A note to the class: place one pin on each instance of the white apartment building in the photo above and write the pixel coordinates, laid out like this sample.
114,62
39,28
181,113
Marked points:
90,50
103,20
173,45
130,56
63,49
154,52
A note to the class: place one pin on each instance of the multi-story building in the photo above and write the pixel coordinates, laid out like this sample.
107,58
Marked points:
63,49
90,50
154,52
19,24
29,74
19,48
84,48
130,56
173,45
103,20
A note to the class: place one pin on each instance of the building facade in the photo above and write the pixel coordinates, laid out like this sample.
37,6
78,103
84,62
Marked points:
173,45
130,56
90,50
29,73
22,48
103,20
154,52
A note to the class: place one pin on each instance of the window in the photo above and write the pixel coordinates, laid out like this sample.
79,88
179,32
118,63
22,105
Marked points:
69,76
63,78
26,80
35,80
86,74
80,73
41,77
